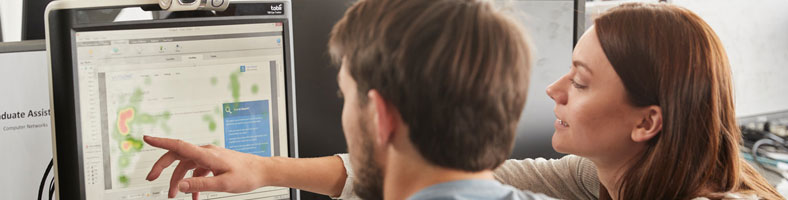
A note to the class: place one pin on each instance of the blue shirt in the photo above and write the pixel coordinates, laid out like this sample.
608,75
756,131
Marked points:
475,189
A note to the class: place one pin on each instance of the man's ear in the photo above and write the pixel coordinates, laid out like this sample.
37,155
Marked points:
385,116
650,124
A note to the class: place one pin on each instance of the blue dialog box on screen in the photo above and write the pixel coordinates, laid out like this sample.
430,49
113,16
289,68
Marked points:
247,127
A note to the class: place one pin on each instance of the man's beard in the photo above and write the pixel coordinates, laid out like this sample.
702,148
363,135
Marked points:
368,183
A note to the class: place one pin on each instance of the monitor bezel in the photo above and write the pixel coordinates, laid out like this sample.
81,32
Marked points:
65,90
23,46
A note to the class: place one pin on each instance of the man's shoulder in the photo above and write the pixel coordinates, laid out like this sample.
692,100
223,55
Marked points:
528,195
475,189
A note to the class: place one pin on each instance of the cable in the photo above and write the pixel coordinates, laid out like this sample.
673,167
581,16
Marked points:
51,188
44,179
754,152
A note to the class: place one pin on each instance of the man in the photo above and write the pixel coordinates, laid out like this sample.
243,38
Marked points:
432,94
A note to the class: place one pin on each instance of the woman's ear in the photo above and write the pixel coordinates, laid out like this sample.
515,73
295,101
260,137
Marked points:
650,125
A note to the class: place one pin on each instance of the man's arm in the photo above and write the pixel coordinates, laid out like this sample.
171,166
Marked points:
241,172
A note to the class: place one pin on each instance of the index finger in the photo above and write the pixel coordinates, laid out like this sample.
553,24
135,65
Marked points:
184,150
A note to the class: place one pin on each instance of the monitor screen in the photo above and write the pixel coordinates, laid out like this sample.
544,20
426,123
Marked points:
214,84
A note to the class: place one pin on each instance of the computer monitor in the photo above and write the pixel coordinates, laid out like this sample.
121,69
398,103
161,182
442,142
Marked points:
221,78
24,118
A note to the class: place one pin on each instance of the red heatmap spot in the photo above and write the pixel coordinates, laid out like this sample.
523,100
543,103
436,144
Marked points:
124,117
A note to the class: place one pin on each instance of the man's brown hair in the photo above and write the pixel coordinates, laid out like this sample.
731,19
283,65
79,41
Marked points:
456,70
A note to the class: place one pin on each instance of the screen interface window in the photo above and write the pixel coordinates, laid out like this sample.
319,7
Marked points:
221,85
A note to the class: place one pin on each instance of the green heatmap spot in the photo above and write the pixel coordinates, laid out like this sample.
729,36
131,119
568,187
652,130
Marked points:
136,97
123,179
147,80
235,87
264,146
214,81
212,126
255,89
137,145
123,161
217,110
216,142
211,123
146,118
165,115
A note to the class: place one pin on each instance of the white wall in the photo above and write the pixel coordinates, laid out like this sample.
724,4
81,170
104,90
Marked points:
11,16
549,24
755,36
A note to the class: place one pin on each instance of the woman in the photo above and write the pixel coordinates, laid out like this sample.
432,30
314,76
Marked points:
647,107
649,101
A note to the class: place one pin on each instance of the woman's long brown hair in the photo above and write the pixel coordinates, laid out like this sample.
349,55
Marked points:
667,56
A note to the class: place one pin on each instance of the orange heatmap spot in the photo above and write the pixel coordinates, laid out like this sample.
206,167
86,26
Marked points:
124,117
126,146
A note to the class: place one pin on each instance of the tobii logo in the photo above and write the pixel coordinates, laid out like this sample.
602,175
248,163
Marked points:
277,7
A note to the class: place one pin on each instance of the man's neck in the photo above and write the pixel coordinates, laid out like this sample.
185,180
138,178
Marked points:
406,175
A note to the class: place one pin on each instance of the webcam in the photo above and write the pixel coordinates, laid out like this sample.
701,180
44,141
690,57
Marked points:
187,5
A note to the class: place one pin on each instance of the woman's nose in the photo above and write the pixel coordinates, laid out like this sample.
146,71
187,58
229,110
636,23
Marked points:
556,92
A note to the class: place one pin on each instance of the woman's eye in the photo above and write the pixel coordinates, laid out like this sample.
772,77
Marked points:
576,85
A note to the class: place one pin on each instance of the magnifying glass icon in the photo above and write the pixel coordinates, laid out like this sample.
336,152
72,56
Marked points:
227,109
